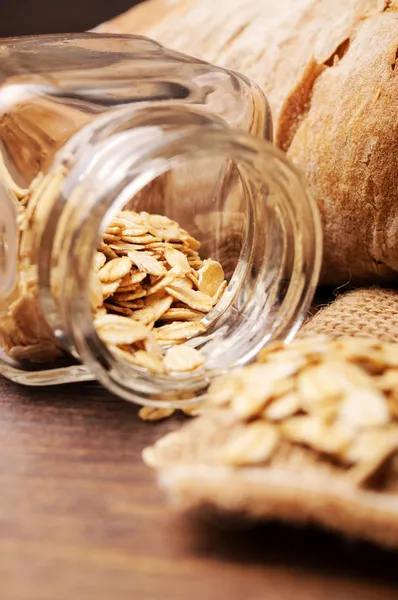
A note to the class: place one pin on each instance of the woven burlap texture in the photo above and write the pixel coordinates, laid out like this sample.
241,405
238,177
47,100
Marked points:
364,312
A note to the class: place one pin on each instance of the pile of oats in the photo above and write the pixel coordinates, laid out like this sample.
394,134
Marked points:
338,399
316,403
308,434
24,332
151,290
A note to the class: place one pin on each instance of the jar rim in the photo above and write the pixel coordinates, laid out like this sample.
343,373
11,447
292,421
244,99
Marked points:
96,190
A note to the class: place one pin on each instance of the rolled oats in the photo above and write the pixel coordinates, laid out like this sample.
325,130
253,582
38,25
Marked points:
113,308
107,250
325,453
109,288
337,398
148,272
99,260
131,279
176,258
179,331
146,262
148,360
211,276
154,413
251,445
281,408
332,439
196,300
152,346
117,330
163,282
364,407
179,358
182,314
159,303
114,270
137,292
125,248
183,283
218,295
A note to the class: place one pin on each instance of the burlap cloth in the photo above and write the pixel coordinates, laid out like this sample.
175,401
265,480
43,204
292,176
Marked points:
363,312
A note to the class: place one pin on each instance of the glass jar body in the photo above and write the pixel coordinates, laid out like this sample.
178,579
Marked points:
97,123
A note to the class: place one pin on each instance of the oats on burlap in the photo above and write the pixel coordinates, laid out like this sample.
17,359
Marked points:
309,433
330,395
253,444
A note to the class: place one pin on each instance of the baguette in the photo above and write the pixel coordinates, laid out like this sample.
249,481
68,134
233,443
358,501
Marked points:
328,70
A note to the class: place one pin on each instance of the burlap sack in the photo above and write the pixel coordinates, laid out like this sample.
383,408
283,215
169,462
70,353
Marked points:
366,312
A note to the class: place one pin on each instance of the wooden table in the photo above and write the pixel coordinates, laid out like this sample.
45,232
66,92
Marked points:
82,518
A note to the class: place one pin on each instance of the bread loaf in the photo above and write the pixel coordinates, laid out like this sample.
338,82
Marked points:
329,72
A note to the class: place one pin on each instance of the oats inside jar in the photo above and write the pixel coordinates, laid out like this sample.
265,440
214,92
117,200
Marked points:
151,290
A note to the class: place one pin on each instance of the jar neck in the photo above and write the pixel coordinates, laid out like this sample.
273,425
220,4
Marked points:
277,262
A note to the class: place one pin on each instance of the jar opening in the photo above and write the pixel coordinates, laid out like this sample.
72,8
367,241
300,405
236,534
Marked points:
239,198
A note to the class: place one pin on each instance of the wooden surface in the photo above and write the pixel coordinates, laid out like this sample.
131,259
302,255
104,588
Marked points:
82,518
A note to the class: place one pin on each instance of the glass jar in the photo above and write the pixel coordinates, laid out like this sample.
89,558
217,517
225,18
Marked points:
91,124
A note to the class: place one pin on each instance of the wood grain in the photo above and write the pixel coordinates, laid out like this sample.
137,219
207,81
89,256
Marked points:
81,517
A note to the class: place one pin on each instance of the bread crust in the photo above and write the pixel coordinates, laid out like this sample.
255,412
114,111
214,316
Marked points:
328,70
347,144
